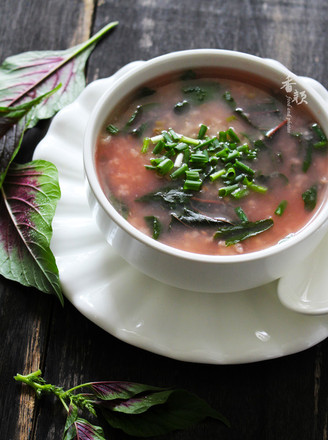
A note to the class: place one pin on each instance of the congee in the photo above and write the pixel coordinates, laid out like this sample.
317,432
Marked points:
214,162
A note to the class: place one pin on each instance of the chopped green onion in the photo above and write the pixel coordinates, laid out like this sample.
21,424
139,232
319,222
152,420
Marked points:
179,171
230,173
231,156
174,135
181,146
233,136
202,131
112,129
154,225
241,214
135,116
222,136
320,144
192,175
226,190
240,193
214,176
178,160
281,208
190,141
157,138
159,147
243,167
199,158
194,185
253,186
145,145
165,166
317,129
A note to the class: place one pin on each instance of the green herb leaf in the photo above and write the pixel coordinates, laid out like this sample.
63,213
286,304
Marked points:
310,198
193,218
27,204
204,91
170,196
281,208
237,233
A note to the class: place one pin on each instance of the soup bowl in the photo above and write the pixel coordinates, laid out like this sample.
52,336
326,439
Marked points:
179,268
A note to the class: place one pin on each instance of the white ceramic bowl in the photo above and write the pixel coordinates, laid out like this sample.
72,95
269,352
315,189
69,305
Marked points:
179,268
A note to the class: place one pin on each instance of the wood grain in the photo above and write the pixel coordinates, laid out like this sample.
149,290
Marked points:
283,399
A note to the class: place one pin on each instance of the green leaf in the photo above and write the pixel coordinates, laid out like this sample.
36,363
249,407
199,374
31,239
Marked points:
167,196
27,205
237,233
194,218
172,410
310,198
31,74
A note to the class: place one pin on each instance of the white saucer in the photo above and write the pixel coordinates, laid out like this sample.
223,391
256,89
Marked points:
191,326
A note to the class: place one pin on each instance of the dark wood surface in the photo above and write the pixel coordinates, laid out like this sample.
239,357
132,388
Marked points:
283,399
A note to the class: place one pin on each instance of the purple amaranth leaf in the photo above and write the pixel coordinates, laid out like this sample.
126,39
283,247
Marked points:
72,416
13,121
119,390
138,404
30,74
28,201
81,429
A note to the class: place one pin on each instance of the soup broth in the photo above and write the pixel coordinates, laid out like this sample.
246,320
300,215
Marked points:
209,163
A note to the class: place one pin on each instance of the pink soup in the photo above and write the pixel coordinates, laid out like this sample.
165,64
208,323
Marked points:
208,163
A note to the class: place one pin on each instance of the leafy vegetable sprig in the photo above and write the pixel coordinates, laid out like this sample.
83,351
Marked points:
34,86
137,409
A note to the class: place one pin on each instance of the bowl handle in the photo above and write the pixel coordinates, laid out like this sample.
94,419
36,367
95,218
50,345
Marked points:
315,85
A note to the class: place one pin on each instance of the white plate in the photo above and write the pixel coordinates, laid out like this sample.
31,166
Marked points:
191,326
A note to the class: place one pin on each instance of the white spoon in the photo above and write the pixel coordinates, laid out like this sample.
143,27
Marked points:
305,288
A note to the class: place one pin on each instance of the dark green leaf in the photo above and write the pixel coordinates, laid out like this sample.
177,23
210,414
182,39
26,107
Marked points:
181,410
237,233
193,218
181,107
202,92
310,198
281,208
168,196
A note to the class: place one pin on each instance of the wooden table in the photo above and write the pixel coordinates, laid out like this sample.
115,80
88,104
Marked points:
285,398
